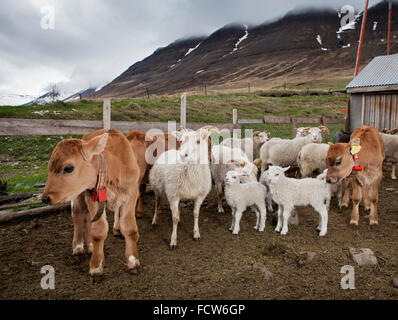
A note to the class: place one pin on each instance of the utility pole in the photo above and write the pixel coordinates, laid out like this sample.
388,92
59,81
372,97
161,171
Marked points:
389,26
365,13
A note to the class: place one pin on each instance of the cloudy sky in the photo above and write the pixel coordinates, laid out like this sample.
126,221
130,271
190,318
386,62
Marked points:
93,41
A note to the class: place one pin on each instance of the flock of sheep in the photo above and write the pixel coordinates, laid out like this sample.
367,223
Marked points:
187,174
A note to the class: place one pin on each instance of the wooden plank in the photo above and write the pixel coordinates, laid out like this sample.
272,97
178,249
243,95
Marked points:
327,121
307,120
9,215
28,127
20,204
276,119
106,114
248,121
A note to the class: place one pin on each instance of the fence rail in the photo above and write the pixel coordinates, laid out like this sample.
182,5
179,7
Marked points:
47,127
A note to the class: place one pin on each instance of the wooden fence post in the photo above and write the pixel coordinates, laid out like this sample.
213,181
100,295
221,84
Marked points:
205,89
183,114
106,114
147,92
294,126
235,116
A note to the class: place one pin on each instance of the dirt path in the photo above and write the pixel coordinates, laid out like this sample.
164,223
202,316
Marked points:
216,267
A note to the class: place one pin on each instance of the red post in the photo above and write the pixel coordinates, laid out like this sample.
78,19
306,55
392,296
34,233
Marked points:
365,13
389,26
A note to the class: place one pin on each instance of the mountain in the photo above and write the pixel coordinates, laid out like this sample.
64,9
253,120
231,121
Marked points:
299,46
14,99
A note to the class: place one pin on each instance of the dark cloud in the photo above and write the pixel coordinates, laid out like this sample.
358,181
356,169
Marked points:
96,40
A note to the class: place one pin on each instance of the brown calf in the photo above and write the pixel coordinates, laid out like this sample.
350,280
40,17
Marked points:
365,172
73,172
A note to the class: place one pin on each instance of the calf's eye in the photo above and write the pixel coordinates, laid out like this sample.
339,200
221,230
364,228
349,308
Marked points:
338,162
68,169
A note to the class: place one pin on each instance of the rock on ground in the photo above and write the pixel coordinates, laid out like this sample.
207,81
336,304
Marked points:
363,257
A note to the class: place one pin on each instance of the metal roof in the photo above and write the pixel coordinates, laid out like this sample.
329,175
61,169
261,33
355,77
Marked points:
382,71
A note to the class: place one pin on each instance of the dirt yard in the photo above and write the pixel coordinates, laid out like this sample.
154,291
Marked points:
216,267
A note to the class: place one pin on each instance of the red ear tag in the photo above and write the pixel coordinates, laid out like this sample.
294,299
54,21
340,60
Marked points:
102,195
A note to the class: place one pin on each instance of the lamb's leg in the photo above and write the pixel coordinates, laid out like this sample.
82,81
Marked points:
198,203
233,211
393,166
219,197
257,226
286,214
157,209
269,199
323,219
263,216
238,216
176,218
280,221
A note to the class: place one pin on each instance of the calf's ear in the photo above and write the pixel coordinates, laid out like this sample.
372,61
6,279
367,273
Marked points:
94,146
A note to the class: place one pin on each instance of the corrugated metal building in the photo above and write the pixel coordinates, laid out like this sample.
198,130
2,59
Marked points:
374,94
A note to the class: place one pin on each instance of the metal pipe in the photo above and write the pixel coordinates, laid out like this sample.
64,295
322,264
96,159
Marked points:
365,13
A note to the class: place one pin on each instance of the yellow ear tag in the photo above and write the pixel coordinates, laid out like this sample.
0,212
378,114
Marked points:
355,149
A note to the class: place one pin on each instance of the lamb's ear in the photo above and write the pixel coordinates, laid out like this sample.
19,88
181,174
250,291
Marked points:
179,135
94,146
285,169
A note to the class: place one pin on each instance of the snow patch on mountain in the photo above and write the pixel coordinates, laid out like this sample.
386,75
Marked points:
14,99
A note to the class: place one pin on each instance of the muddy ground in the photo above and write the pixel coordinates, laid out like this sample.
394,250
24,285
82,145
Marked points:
216,267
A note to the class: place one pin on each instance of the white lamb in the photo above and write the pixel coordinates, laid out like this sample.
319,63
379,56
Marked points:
391,151
224,159
312,157
289,192
283,152
250,146
239,196
336,189
183,174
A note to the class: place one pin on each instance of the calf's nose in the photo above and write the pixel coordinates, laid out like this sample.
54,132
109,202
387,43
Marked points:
46,200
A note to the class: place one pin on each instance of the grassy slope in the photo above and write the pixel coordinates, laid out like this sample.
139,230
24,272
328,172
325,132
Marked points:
23,160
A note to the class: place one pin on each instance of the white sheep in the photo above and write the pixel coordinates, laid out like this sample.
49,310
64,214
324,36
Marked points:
312,157
183,174
289,192
224,159
239,196
391,151
250,146
336,189
284,152
305,131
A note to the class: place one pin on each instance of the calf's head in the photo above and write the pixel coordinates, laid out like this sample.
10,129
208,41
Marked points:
339,161
72,168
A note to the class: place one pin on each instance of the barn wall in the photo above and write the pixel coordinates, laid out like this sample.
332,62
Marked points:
380,110
355,111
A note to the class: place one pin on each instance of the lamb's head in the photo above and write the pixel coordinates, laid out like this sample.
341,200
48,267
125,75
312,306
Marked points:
260,137
233,177
273,174
316,135
194,144
302,132
322,176
244,167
